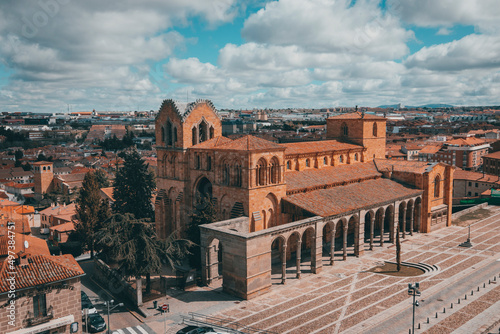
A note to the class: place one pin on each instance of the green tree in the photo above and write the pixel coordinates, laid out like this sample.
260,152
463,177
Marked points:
133,187
205,212
91,211
101,178
134,246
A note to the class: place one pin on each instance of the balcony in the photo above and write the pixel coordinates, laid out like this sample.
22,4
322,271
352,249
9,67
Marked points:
33,321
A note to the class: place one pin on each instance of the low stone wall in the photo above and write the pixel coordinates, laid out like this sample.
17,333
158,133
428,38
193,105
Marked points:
113,282
474,208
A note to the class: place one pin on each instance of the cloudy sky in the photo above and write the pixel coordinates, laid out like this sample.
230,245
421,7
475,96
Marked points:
130,55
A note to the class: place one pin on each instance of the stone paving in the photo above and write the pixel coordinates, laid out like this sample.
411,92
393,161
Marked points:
344,298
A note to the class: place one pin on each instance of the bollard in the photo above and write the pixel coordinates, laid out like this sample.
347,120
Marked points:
484,285
451,306
489,281
472,292
458,301
418,326
427,319
465,297
436,315
477,289
444,309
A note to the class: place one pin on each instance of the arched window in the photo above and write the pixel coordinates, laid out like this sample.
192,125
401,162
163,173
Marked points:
169,133
197,161
194,135
288,165
261,172
341,159
225,173
308,162
374,129
203,131
355,157
237,170
345,130
325,161
274,170
437,186
162,134
175,136
211,132
209,162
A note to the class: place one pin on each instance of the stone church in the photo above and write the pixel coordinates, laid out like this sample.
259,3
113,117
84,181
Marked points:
285,207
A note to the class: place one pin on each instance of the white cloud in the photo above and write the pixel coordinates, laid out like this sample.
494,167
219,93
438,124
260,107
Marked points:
191,70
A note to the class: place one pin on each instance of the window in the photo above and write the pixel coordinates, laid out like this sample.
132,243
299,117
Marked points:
476,184
237,170
341,159
194,136
225,174
345,130
374,129
175,136
209,162
437,185
40,306
288,165
356,157
169,133
325,161
261,172
197,162
308,163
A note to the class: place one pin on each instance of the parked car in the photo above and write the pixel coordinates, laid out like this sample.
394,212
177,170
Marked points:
195,330
87,304
95,323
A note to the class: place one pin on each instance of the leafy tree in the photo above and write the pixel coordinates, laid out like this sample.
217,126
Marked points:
91,212
101,178
205,212
133,187
134,246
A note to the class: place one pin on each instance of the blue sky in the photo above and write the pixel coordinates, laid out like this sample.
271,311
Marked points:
130,55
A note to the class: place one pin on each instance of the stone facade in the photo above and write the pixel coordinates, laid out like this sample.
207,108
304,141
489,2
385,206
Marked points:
279,202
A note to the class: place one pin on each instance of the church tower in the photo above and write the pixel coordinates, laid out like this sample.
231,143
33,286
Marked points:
362,129
43,174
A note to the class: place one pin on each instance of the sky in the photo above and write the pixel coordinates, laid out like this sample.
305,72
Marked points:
122,55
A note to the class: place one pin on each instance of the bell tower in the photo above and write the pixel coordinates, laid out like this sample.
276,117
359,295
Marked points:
43,174
359,128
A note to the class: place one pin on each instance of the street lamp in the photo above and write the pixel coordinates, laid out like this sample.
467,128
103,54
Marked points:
413,291
109,303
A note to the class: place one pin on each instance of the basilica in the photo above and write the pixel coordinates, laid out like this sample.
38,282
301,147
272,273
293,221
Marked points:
283,206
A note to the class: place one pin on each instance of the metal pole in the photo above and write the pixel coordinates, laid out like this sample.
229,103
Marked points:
109,327
165,322
413,321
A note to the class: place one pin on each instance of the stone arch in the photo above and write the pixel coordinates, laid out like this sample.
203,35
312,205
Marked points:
278,257
203,131
271,202
261,172
410,215
214,259
437,186
417,215
401,221
328,235
389,223
369,222
169,133
274,170
307,249
238,176
202,190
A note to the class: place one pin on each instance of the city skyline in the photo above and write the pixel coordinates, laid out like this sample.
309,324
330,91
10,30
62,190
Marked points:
123,55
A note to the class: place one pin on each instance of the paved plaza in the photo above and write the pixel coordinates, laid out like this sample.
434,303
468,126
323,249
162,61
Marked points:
462,296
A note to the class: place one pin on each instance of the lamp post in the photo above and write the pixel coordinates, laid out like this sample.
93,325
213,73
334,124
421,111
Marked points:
413,291
108,304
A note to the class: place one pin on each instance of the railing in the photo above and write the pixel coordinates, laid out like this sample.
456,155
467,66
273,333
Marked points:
225,324
33,321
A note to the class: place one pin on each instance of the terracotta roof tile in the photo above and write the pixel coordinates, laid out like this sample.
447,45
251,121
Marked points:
329,176
430,149
342,199
36,245
493,155
461,174
417,167
357,115
318,146
214,142
250,143
41,269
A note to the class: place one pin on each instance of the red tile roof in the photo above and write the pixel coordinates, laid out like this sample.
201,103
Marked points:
474,176
41,269
343,199
329,176
357,115
250,143
493,155
35,245
430,149
214,142
66,227
416,167
318,147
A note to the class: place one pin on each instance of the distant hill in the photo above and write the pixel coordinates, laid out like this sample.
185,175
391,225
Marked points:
435,105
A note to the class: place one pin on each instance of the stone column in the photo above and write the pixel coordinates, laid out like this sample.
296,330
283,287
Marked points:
332,244
372,230
283,264
392,232
299,249
403,226
382,222
346,225
412,212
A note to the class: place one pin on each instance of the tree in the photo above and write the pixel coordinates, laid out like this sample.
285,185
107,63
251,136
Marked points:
134,246
91,211
205,212
101,178
398,248
133,187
